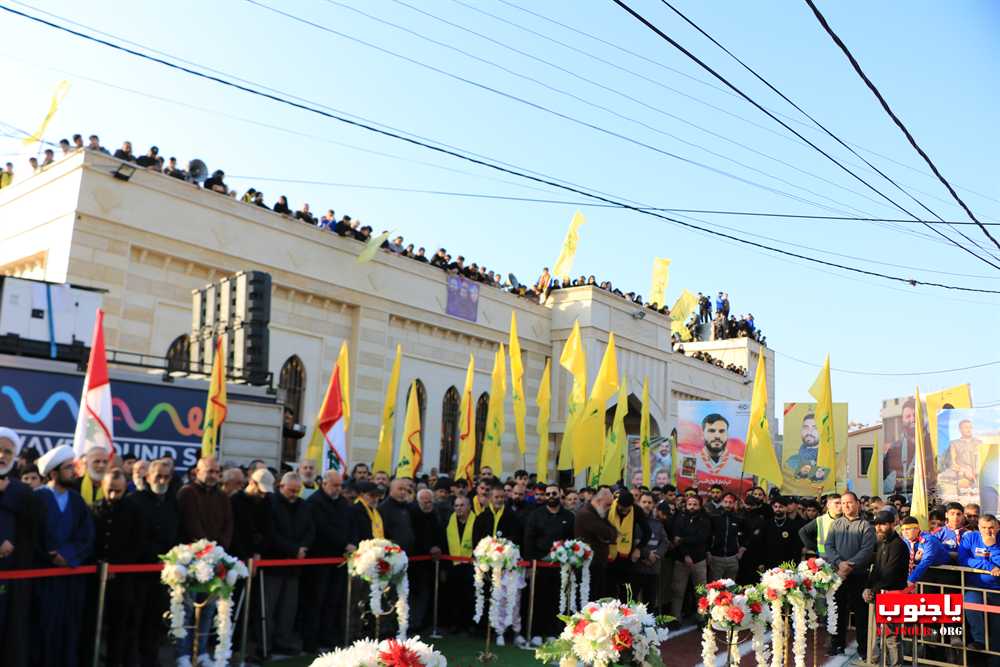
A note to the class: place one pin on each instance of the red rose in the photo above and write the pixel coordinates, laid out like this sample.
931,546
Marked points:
735,614
622,639
772,594
756,607
580,626
703,605
498,548
383,567
789,584
576,547
626,611
807,584
220,570
724,598
715,586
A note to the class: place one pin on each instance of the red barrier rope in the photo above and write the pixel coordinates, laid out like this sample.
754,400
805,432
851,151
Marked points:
48,572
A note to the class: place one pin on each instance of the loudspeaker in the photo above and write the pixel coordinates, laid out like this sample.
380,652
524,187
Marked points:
248,352
252,299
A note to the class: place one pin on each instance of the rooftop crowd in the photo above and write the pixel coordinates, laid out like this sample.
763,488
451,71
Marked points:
58,510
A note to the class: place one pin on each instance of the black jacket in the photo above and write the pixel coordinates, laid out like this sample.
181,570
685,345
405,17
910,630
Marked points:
781,543
542,528
509,526
892,565
728,534
291,527
695,531
332,519
162,520
429,532
251,524
399,521
119,534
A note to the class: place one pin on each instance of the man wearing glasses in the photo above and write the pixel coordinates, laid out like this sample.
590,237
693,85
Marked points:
543,527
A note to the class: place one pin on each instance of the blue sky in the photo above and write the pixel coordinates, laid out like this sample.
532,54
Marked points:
934,62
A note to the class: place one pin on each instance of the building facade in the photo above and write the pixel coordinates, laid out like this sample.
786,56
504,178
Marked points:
150,240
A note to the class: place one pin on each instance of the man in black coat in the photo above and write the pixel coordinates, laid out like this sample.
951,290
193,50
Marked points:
252,516
781,536
622,559
889,573
161,520
545,526
691,531
755,518
430,540
292,534
496,520
399,516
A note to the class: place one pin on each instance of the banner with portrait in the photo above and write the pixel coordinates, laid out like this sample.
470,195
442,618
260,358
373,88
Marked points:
800,449
463,298
898,451
969,463
711,445
946,399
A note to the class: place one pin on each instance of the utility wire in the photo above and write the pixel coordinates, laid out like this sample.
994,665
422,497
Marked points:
895,119
484,163
773,117
891,373
824,128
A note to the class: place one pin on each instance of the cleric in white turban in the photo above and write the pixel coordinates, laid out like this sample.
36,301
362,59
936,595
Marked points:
10,448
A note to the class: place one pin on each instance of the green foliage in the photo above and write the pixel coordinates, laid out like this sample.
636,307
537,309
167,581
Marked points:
554,650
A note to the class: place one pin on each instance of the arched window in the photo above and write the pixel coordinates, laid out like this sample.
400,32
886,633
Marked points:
450,408
179,355
482,410
292,383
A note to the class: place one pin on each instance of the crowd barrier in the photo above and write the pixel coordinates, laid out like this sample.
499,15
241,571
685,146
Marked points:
103,570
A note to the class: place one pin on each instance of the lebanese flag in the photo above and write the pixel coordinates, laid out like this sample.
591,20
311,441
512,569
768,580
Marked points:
94,423
330,423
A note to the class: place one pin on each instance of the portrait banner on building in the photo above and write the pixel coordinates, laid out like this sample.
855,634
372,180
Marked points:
463,298
802,475
946,399
711,445
969,460
900,446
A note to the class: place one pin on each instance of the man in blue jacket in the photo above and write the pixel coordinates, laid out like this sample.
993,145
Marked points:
980,550
925,550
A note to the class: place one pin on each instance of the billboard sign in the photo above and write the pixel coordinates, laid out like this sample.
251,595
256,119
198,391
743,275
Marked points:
711,445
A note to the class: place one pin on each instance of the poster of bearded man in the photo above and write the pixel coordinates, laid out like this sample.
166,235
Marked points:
711,445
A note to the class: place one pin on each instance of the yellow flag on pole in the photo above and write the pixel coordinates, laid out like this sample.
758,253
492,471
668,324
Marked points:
517,384
644,444
918,504
590,434
544,402
564,264
410,446
874,476
760,458
57,97
217,406
383,455
661,277
344,368
467,428
495,418
826,457
679,314
573,359
613,461
367,254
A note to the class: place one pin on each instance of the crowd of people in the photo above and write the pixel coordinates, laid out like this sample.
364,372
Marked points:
655,544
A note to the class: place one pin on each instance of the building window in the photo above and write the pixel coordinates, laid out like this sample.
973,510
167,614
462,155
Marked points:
866,460
292,383
449,431
179,355
482,410
421,405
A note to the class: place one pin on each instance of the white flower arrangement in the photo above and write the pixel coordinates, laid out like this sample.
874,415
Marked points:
825,582
498,557
382,563
731,608
573,556
203,567
608,632
388,653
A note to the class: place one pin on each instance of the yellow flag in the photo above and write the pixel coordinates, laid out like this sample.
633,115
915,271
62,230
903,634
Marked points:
874,476
565,262
57,96
644,445
344,368
573,359
544,402
826,457
374,243
410,447
760,458
673,458
517,383
590,435
217,406
495,418
615,450
661,277
383,455
679,314
467,428
918,503
956,397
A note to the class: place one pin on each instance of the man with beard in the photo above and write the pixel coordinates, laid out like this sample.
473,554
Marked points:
781,535
120,539
888,573
518,505
813,534
93,466
458,576
545,526
960,476
728,537
496,519
592,526
850,546
307,473
18,535
692,532
802,464
324,587
633,535
366,520
161,519
292,536
67,540
430,538
899,454
647,570
716,464
713,506
755,518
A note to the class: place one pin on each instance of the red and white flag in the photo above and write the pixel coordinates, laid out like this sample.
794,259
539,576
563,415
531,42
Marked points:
94,422
330,426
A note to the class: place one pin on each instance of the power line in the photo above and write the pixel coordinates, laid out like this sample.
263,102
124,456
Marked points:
773,117
484,163
895,119
891,373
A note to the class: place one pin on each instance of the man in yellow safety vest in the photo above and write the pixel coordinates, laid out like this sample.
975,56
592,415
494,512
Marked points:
813,534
